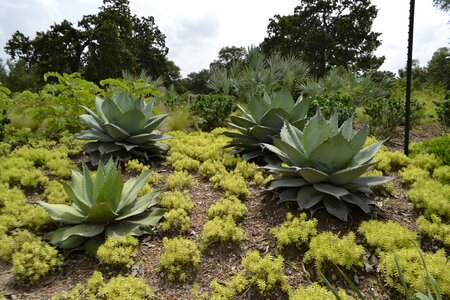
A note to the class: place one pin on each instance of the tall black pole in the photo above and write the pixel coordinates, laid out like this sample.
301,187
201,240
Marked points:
408,75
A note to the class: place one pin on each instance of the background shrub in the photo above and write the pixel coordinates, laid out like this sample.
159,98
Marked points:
213,110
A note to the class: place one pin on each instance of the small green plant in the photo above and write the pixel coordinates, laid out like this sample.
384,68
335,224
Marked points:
328,248
443,110
411,174
176,219
385,236
179,180
55,193
315,292
178,257
118,252
439,146
426,161
432,196
102,206
222,230
118,288
294,231
135,165
413,270
342,105
182,162
176,199
442,174
228,206
212,110
435,229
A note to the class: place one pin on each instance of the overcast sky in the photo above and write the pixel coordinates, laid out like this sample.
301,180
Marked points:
197,29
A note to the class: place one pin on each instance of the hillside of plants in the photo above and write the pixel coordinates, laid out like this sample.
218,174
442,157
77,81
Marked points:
267,176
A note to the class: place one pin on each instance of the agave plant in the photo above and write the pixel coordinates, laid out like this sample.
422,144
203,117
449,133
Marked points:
102,206
264,121
123,127
325,164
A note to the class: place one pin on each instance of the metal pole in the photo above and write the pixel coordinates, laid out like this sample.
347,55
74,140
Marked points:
408,75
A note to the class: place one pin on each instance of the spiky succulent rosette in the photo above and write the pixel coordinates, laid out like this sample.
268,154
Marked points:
102,206
324,164
122,128
264,120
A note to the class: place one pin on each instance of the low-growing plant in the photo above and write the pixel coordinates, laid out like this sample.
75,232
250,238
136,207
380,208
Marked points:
118,252
179,256
439,146
233,184
213,110
222,230
228,206
179,180
442,174
294,231
324,164
176,199
176,219
411,174
413,271
431,196
328,249
388,161
119,287
426,161
315,291
435,229
55,193
103,206
135,165
180,162
386,236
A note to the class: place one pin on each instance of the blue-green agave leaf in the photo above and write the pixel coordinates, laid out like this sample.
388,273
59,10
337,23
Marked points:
316,131
242,122
94,135
84,230
307,197
330,189
63,213
348,175
366,155
287,182
332,154
115,131
336,207
139,205
312,175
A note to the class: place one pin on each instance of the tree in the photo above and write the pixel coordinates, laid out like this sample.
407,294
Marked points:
442,4
327,34
227,56
439,67
197,82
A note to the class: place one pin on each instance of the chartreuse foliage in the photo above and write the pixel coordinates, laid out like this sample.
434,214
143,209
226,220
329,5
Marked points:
386,236
176,219
118,252
227,206
118,288
179,205
411,174
179,180
324,165
179,256
55,193
135,165
222,230
315,292
431,196
123,127
264,120
442,174
264,273
439,146
294,231
31,258
414,273
327,249
435,228
102,206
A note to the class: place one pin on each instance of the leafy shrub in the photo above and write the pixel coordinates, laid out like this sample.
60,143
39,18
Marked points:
439,146
102,206
212,110
179,180
442,174
342,105
223,230
411,174
432,196
386,235
324,164
228,206
21,171
179,255
176,219
294,231
443,110
315,291
176,199
118,251
435,229
328,248
413,270
386,114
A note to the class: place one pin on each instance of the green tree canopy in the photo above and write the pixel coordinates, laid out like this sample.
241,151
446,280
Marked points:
102,46
327,34
439,67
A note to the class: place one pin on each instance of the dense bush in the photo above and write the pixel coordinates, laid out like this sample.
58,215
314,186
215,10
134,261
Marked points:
443,110
342,105
386,114
213,110
439,146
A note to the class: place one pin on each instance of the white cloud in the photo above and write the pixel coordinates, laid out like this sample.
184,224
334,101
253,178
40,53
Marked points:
197,29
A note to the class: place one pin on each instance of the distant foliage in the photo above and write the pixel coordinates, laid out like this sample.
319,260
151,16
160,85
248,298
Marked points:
213,110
